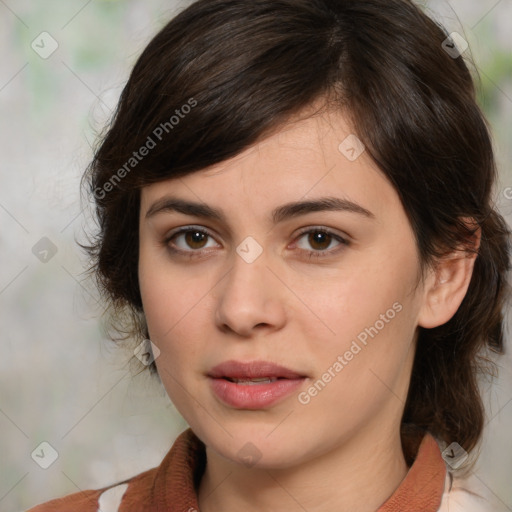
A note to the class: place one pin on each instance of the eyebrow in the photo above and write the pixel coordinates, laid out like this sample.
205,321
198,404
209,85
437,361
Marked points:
279,214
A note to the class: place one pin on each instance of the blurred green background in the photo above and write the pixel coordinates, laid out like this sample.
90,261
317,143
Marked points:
61,381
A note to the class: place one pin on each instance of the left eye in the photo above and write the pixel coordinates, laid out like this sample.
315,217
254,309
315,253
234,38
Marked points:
319,239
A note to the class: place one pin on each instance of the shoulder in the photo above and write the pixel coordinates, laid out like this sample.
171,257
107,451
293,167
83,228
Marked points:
106,499
467,495
172,482
84,501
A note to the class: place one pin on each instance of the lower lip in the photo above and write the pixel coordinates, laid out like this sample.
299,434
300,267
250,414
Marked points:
254,396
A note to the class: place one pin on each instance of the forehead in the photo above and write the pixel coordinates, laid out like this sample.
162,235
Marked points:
310,157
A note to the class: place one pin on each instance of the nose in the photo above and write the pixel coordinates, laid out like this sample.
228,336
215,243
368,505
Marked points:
250,298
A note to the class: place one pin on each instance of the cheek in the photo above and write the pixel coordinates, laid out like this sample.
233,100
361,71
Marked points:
172,302
369,315
358,293
170,306
162,288
366,365
165,306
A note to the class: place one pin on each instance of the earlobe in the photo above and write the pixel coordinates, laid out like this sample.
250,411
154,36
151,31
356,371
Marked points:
447,285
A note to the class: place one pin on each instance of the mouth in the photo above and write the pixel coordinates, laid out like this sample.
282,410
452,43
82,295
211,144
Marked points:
253,385
253,371
263,380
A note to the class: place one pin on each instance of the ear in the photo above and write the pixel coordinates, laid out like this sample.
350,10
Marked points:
447,284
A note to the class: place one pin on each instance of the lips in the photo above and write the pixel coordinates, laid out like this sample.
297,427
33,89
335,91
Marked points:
237,370
253,385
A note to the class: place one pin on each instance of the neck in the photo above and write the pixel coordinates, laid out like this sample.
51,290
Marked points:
358,475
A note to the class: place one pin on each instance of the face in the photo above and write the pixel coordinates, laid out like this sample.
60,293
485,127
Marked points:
327,292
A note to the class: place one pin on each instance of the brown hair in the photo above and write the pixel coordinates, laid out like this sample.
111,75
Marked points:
225,73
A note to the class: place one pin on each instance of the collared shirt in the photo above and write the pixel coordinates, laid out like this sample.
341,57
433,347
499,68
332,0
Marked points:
172,486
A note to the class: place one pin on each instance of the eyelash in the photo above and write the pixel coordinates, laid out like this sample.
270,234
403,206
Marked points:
312,254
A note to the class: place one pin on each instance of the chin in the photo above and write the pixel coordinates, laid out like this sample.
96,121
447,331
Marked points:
257,451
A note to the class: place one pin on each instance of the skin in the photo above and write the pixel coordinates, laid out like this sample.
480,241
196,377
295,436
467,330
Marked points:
295,310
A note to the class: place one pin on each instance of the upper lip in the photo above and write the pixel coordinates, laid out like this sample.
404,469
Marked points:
252,370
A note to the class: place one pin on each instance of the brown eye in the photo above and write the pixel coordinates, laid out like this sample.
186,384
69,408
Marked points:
188,240
195,239
320,240
191,241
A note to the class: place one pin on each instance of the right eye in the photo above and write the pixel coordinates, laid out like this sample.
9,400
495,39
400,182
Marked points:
191,237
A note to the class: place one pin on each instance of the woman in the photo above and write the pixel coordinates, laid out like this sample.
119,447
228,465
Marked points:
295,207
